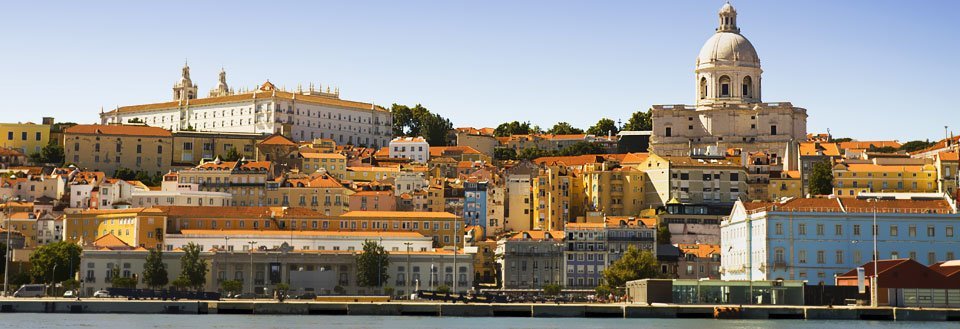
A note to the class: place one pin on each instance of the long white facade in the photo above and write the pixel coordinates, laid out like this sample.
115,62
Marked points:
301,114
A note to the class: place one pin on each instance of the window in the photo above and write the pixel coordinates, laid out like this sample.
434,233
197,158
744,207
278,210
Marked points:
819,229
724,86
668,132
778,256
802,229
703,88
949,232
856,229
802,257
893,230
839,256
912,231
747,87
931,231
820,257
773,129
838,229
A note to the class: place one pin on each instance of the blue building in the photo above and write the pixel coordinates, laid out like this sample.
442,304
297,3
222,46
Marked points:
475,203
817,239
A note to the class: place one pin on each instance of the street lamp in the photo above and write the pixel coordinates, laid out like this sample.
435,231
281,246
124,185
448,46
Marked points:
406,281
874,299
252,243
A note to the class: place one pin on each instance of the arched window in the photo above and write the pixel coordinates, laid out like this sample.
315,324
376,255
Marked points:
703,88
747,87
724,86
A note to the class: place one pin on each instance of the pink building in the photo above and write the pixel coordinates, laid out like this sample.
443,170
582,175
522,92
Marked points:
373,201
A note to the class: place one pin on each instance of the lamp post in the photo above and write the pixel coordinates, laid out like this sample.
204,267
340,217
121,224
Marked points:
874,290
6,249
252,243
406,276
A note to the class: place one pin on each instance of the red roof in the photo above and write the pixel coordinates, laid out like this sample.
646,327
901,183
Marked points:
118,130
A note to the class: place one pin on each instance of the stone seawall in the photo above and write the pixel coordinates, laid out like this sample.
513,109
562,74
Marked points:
476,310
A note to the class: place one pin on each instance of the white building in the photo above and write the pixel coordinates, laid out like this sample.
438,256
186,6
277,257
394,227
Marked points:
409,182
117,191
174,193
300,114
414,148
729,112
236,240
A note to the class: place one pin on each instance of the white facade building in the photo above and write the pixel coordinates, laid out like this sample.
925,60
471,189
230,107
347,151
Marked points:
174,193
414,148
237,240
729,112
300,114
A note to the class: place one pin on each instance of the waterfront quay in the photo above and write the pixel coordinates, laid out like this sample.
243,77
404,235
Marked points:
271,307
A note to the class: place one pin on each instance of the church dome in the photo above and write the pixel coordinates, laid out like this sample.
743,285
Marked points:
728,49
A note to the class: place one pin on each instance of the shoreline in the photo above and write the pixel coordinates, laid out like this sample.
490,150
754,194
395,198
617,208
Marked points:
406,308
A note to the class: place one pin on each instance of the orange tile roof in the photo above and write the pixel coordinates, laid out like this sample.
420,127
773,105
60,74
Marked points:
949,156
576,160
319,155
438,151
868,144
812,148
677,161
118,130
270,93
630,221
110,241
281,233
854,205
585,225
374,193
700,250
277,139
635,158
398,214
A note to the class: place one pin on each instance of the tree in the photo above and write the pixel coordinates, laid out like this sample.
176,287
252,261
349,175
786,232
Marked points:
154,270
885,149
443,289
418,121
602,127
633,265
181,284
581,148
512,128
603,291
663,234
231,287
552,289
117,281
913,146
504,153
531,153
193,269
64,256
372,265
640,120
821,179
232,155
51,153
564,128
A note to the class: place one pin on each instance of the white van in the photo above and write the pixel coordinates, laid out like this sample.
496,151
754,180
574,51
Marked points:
31,290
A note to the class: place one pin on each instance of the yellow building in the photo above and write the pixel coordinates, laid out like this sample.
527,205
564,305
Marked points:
190,147
27,137
318,192
107,148
334,164
371,174
557,197
948,165
444,227
851,179
616,192
785,184
141,227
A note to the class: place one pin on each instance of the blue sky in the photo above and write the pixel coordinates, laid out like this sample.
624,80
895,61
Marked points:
864,69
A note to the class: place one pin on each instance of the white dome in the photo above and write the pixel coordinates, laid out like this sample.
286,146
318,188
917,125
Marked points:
728,49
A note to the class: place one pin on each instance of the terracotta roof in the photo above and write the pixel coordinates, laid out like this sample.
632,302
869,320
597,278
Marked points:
110,241
700,250
947,268
374,193
10,152
417,139
854,205
118,211
319,155
258,95
277,139
281,233
315,181
812,148
475,131
634,158
630,221
118,130
538,236
868,144
576,160
753,205
691,162
949,156
438,151
235,212
398,214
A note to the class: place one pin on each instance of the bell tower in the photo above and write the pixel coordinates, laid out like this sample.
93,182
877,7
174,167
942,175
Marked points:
185,88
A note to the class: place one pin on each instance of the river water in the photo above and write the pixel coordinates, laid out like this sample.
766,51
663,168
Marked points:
137,321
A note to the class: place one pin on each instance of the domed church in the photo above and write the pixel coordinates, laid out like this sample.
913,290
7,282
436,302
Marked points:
729,111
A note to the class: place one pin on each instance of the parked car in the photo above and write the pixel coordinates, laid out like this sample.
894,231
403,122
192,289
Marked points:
31,290
308,295
70,294
101,294
245,295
